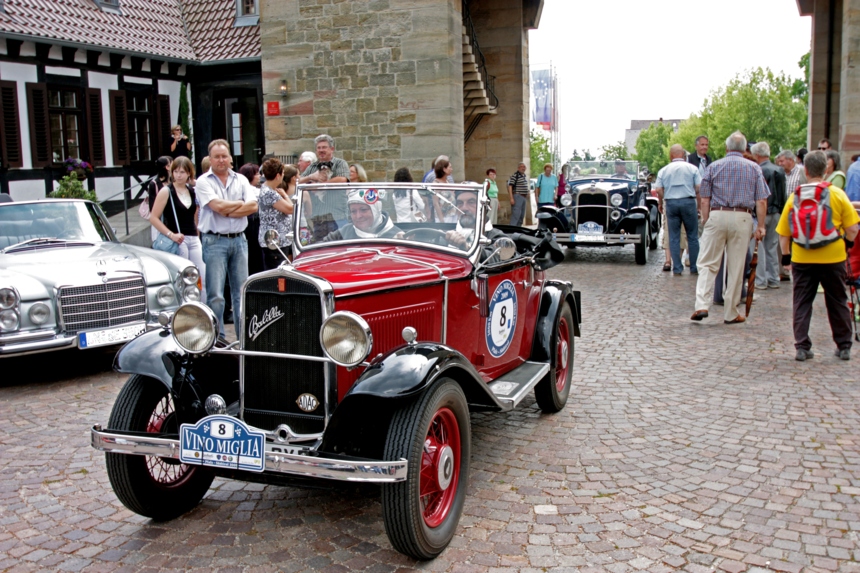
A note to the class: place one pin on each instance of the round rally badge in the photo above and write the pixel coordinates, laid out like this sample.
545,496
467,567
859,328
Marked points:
371,196
502,319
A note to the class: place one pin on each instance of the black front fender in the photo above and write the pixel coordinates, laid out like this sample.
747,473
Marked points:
554,294
359,424
153,354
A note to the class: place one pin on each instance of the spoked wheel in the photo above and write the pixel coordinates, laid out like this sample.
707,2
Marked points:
551,393
421,514
642,245
154,487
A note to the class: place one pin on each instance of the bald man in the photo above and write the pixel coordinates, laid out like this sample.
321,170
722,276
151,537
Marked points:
678,189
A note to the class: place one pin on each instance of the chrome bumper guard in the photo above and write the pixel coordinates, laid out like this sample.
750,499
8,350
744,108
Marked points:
619,238
277,461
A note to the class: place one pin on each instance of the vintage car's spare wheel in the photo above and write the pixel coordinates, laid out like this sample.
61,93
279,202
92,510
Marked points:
151,486
551,393
642,245
432,433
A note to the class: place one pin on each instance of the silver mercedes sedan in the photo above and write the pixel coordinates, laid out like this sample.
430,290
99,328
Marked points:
66,281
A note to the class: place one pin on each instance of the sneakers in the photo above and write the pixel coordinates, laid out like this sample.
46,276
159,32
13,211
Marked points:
803,355
843,353
774,286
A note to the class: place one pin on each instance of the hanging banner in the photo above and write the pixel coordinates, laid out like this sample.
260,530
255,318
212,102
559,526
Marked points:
542,88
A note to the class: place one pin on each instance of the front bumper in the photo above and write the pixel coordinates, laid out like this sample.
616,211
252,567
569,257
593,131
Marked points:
280,459
603,239
19,344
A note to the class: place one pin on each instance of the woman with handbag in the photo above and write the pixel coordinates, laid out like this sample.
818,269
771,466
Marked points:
174,216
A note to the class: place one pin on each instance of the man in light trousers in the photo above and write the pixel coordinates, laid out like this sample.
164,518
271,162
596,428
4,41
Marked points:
774,176
732,188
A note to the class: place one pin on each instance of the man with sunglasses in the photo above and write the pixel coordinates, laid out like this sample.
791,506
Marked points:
824,145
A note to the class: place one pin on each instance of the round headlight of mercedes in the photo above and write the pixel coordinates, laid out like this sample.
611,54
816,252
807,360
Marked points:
566,200
191,293
165,295
190,275
194,328
346,339
8,298
8,320
617,199
39,313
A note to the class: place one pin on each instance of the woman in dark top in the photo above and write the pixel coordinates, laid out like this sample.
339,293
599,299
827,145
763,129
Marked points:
181,226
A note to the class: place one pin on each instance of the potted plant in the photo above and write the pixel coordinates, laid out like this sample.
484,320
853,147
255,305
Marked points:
71,187
76,167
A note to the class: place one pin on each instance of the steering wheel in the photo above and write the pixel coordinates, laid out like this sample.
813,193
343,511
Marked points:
427,235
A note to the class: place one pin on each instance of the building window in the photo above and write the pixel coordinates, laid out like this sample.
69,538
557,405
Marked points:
111,6
139,126
64,112
247,12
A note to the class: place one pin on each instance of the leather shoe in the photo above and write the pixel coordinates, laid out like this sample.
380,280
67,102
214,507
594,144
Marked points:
699,315
802,355
737,320
843,353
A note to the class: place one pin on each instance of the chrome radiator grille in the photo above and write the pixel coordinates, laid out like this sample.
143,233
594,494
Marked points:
273,385
103,305
592,207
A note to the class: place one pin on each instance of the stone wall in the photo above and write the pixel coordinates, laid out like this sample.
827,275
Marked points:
818,74
382,77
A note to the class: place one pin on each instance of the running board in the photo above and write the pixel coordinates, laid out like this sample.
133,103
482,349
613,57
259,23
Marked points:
511,388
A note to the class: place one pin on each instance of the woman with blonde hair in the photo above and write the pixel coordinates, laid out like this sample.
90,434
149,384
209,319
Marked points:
175,213
357,174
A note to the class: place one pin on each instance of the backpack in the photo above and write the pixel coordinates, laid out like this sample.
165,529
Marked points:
811,217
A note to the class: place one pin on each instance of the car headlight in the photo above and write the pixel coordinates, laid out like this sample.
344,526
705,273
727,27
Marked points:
39,313
190,275
191,293
617,199
8,298
566,200
194,328
165,295
346,339
9,320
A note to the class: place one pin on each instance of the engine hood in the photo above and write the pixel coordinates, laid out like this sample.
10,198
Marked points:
36,273
360,271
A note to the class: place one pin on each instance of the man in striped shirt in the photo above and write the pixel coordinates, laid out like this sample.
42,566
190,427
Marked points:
732,189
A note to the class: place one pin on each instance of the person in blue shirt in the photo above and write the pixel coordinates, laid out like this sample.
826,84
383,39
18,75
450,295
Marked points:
852,185
546,185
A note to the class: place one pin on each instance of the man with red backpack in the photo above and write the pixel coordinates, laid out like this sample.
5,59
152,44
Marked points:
821,223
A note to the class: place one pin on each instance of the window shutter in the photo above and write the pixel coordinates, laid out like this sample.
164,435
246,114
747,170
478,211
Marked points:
12,156
119,119
163,123
96,126
40,126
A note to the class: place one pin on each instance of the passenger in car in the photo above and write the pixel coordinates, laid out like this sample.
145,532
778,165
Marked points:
463,235
369,221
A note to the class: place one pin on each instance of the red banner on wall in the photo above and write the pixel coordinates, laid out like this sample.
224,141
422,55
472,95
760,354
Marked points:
273,108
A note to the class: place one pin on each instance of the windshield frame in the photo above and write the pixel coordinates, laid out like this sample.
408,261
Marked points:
602,164
471,253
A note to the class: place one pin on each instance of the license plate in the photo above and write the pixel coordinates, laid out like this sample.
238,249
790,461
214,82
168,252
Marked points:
110,335
581,238
222,442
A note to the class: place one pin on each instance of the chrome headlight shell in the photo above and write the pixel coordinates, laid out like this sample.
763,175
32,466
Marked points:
190,275
617,199
566,200
165,295
8,298
346,339
39,313
9,320
194,328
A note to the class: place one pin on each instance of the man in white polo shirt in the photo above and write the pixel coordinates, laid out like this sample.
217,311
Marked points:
226,199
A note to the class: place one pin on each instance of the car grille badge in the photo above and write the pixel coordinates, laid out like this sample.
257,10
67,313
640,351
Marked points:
308,402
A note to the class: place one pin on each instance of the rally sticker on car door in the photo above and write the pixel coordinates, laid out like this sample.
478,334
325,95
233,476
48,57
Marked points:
502,319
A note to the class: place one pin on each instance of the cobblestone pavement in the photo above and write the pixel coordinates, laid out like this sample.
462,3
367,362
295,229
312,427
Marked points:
684,446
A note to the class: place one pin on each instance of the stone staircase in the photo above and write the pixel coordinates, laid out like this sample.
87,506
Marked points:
479,98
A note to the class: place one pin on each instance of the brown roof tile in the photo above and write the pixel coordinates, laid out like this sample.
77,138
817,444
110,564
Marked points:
191,30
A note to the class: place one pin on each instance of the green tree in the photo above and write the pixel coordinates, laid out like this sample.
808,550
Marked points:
652,146
539,152
584,155
614,151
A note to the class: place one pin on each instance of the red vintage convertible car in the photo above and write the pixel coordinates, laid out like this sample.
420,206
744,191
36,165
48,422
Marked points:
358,361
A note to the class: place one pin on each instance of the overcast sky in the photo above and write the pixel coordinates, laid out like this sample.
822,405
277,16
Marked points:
619,60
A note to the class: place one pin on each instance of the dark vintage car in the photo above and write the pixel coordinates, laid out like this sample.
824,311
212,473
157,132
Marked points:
605,205
67,282
359,361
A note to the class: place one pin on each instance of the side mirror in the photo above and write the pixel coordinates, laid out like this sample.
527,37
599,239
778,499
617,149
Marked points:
505,248
271,238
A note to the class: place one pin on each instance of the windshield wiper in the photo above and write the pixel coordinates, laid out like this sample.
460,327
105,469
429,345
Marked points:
41,241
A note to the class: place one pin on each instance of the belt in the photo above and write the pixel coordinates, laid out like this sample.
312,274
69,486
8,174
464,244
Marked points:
741,209
225,235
